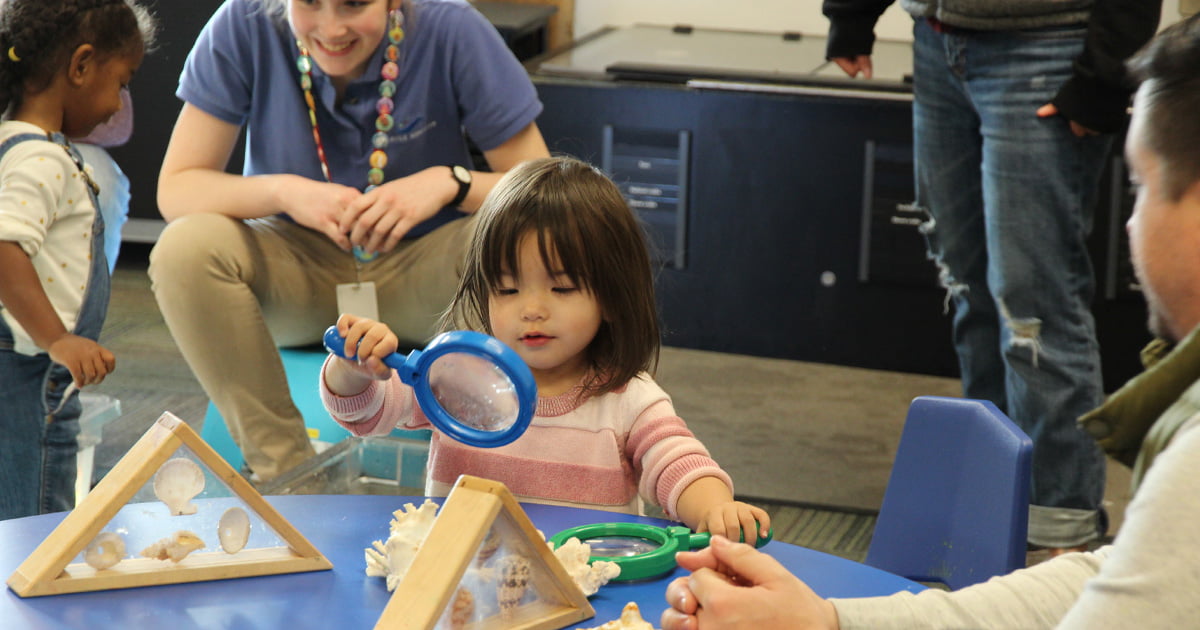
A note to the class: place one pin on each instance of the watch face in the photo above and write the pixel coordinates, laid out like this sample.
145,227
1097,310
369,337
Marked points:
462,174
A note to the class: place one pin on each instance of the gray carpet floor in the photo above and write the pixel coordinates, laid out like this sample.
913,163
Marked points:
785,430
812,443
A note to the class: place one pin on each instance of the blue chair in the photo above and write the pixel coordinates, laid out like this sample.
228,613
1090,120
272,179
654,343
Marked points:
302,366
956,508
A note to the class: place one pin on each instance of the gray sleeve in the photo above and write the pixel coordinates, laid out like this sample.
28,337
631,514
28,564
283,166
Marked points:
1152,576
1031,598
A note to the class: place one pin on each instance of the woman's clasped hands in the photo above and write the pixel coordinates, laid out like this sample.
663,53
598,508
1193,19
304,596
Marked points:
374,221
378,219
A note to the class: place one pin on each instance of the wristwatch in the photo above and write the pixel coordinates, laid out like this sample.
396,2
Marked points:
463,177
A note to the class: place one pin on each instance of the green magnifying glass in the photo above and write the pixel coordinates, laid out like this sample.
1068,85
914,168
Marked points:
641,551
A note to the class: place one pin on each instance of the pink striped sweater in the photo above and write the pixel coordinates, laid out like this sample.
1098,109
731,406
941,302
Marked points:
608,452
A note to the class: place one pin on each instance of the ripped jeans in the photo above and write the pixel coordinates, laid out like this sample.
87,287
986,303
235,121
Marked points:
1010,198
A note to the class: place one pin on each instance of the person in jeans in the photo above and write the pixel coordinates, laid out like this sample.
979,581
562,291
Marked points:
1147,577
1014,105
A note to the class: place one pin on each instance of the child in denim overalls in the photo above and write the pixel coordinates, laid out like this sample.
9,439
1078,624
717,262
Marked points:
63,65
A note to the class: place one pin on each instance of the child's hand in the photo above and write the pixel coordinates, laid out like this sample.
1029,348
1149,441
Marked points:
374,342
735,520
88,361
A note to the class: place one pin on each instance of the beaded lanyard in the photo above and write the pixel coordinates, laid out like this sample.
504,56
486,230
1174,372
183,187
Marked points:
384,106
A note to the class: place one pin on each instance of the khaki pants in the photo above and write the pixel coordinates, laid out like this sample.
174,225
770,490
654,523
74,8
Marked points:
231,291
1188,7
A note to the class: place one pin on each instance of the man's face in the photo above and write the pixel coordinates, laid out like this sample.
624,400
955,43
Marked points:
1164,236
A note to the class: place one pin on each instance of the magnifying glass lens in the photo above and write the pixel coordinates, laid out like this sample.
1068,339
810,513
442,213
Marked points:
475,391
620,546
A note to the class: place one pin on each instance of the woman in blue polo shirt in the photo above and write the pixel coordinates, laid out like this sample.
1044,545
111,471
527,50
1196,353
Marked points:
355,194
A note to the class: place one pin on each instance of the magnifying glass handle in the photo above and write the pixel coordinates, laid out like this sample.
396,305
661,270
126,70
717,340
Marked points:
335,343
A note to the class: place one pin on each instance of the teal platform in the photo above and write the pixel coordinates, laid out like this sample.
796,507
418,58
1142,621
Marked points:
303,365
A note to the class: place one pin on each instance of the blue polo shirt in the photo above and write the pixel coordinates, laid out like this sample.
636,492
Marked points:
456,76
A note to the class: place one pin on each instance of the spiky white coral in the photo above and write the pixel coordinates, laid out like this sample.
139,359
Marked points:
574,554
409,528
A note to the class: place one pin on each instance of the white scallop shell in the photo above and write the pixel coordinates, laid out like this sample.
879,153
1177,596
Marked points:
105,550
176,482
175,547
233,530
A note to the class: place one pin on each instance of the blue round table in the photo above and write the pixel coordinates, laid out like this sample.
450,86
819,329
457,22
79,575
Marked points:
342,526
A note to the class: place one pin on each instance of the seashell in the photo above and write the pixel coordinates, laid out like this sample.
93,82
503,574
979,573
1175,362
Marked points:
233,530
631,619
105,550
515,574
461,609
574,555
176,482
175,547
488,547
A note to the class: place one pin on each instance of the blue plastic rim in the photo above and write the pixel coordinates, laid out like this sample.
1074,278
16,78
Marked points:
414,367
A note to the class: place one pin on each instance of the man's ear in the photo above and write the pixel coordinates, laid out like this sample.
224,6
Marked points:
82,62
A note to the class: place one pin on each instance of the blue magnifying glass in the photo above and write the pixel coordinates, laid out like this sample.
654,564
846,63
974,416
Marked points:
471,386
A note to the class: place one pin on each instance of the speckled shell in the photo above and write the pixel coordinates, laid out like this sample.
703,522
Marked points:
515,573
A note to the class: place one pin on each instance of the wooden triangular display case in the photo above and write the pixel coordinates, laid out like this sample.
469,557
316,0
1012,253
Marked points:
48,569
477,511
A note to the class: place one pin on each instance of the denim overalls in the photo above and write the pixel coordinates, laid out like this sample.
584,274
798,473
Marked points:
38,445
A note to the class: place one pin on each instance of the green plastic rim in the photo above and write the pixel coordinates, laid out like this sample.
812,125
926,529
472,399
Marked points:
641,566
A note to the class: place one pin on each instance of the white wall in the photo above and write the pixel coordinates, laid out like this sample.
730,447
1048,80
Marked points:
803,16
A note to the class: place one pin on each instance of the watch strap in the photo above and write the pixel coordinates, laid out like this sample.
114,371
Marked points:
463,186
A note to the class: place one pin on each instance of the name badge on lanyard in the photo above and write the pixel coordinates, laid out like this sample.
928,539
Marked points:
358,298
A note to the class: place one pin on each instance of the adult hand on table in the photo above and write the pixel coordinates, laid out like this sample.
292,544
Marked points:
732,585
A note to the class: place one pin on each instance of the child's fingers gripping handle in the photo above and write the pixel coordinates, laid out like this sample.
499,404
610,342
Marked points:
335,343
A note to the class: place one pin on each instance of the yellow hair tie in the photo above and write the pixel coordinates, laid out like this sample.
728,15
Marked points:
12,54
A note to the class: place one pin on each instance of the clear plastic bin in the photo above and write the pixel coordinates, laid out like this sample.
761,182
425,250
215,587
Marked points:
355,465
97,411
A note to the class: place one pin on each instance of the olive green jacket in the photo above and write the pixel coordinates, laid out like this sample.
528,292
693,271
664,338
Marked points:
1137,421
